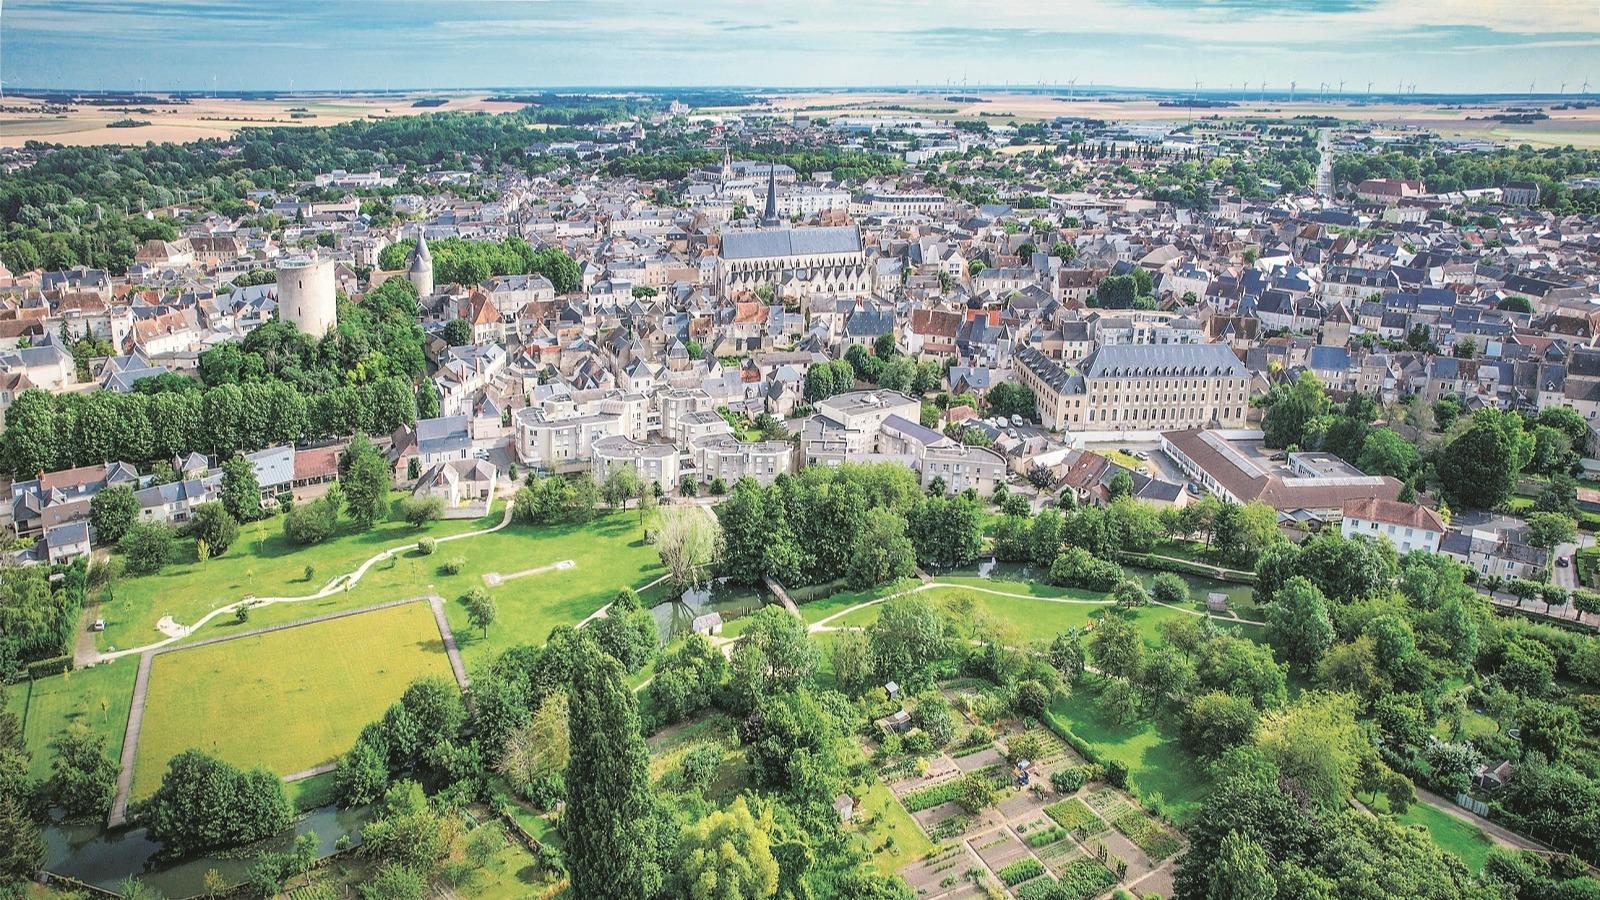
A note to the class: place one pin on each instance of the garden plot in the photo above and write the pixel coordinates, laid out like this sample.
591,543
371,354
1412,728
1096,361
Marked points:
999,848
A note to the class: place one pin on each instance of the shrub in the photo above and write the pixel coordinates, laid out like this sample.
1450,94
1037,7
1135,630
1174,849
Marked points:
1077,567
426,546
452,566
1067,781
700,764
1169,588
419,511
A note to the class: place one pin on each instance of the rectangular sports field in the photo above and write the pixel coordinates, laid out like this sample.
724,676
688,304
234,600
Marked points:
286,700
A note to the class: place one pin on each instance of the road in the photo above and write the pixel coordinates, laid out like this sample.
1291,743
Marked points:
1325,166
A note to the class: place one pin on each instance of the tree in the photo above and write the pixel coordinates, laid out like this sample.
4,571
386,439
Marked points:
1292,409
1384,452
1215,723
1067,654
241,491
1299,624
1318,743
727,855
212,525
687,544
1479,468
314,522
1116,648
976,793
1241,871
785,658
457,332
148,546
364,477
610,823
83,778
538,750
1009,398
204,804
882,551
627,631
111,512
851,657
1548,728
481,609
1547,529
621,484
1559,495
906,640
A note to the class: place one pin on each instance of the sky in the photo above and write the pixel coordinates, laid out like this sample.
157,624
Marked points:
1441,46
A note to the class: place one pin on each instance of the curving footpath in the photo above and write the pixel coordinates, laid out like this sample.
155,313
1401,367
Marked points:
822,624
335,585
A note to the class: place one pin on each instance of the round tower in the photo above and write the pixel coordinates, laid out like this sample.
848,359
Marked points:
420,274
306,294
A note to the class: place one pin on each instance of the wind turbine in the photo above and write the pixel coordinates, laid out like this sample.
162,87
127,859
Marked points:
1291,91
1585,86
1563,87
1341,88
1369,87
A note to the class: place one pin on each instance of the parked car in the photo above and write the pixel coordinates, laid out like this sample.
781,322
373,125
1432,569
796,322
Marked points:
1563,561
99,625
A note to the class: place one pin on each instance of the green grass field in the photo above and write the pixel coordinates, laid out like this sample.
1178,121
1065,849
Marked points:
99,697
260,563
1157,763
1463,839
288,700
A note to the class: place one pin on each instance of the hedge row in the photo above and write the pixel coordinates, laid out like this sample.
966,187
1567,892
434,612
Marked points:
55,665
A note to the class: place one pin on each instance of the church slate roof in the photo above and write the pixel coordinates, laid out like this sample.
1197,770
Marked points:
791,242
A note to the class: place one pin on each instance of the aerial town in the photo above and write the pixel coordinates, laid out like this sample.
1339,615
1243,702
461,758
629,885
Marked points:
949,493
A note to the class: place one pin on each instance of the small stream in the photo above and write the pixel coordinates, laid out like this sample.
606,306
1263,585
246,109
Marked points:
95,856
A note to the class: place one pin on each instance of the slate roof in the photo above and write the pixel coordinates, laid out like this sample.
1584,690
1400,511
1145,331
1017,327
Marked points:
791,242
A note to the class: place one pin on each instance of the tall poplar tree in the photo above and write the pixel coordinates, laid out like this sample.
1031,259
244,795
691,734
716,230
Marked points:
610,822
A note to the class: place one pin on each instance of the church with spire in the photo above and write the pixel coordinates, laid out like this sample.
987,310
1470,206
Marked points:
793,262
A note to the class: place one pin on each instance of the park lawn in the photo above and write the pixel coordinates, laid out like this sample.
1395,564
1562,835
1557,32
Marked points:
1464,839
287,700
1030,620
99,696
814,611
261,563
608,553
1157,763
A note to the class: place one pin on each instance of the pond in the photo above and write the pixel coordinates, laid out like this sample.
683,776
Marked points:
674,616
95,856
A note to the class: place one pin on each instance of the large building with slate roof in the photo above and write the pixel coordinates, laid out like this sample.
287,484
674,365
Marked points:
820,260
1140,388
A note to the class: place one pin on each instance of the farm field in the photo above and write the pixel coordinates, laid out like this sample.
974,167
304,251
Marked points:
263,563
214,117
287,700
99,696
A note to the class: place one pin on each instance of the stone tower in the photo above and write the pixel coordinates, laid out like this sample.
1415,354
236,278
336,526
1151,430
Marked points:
307,295
420,273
